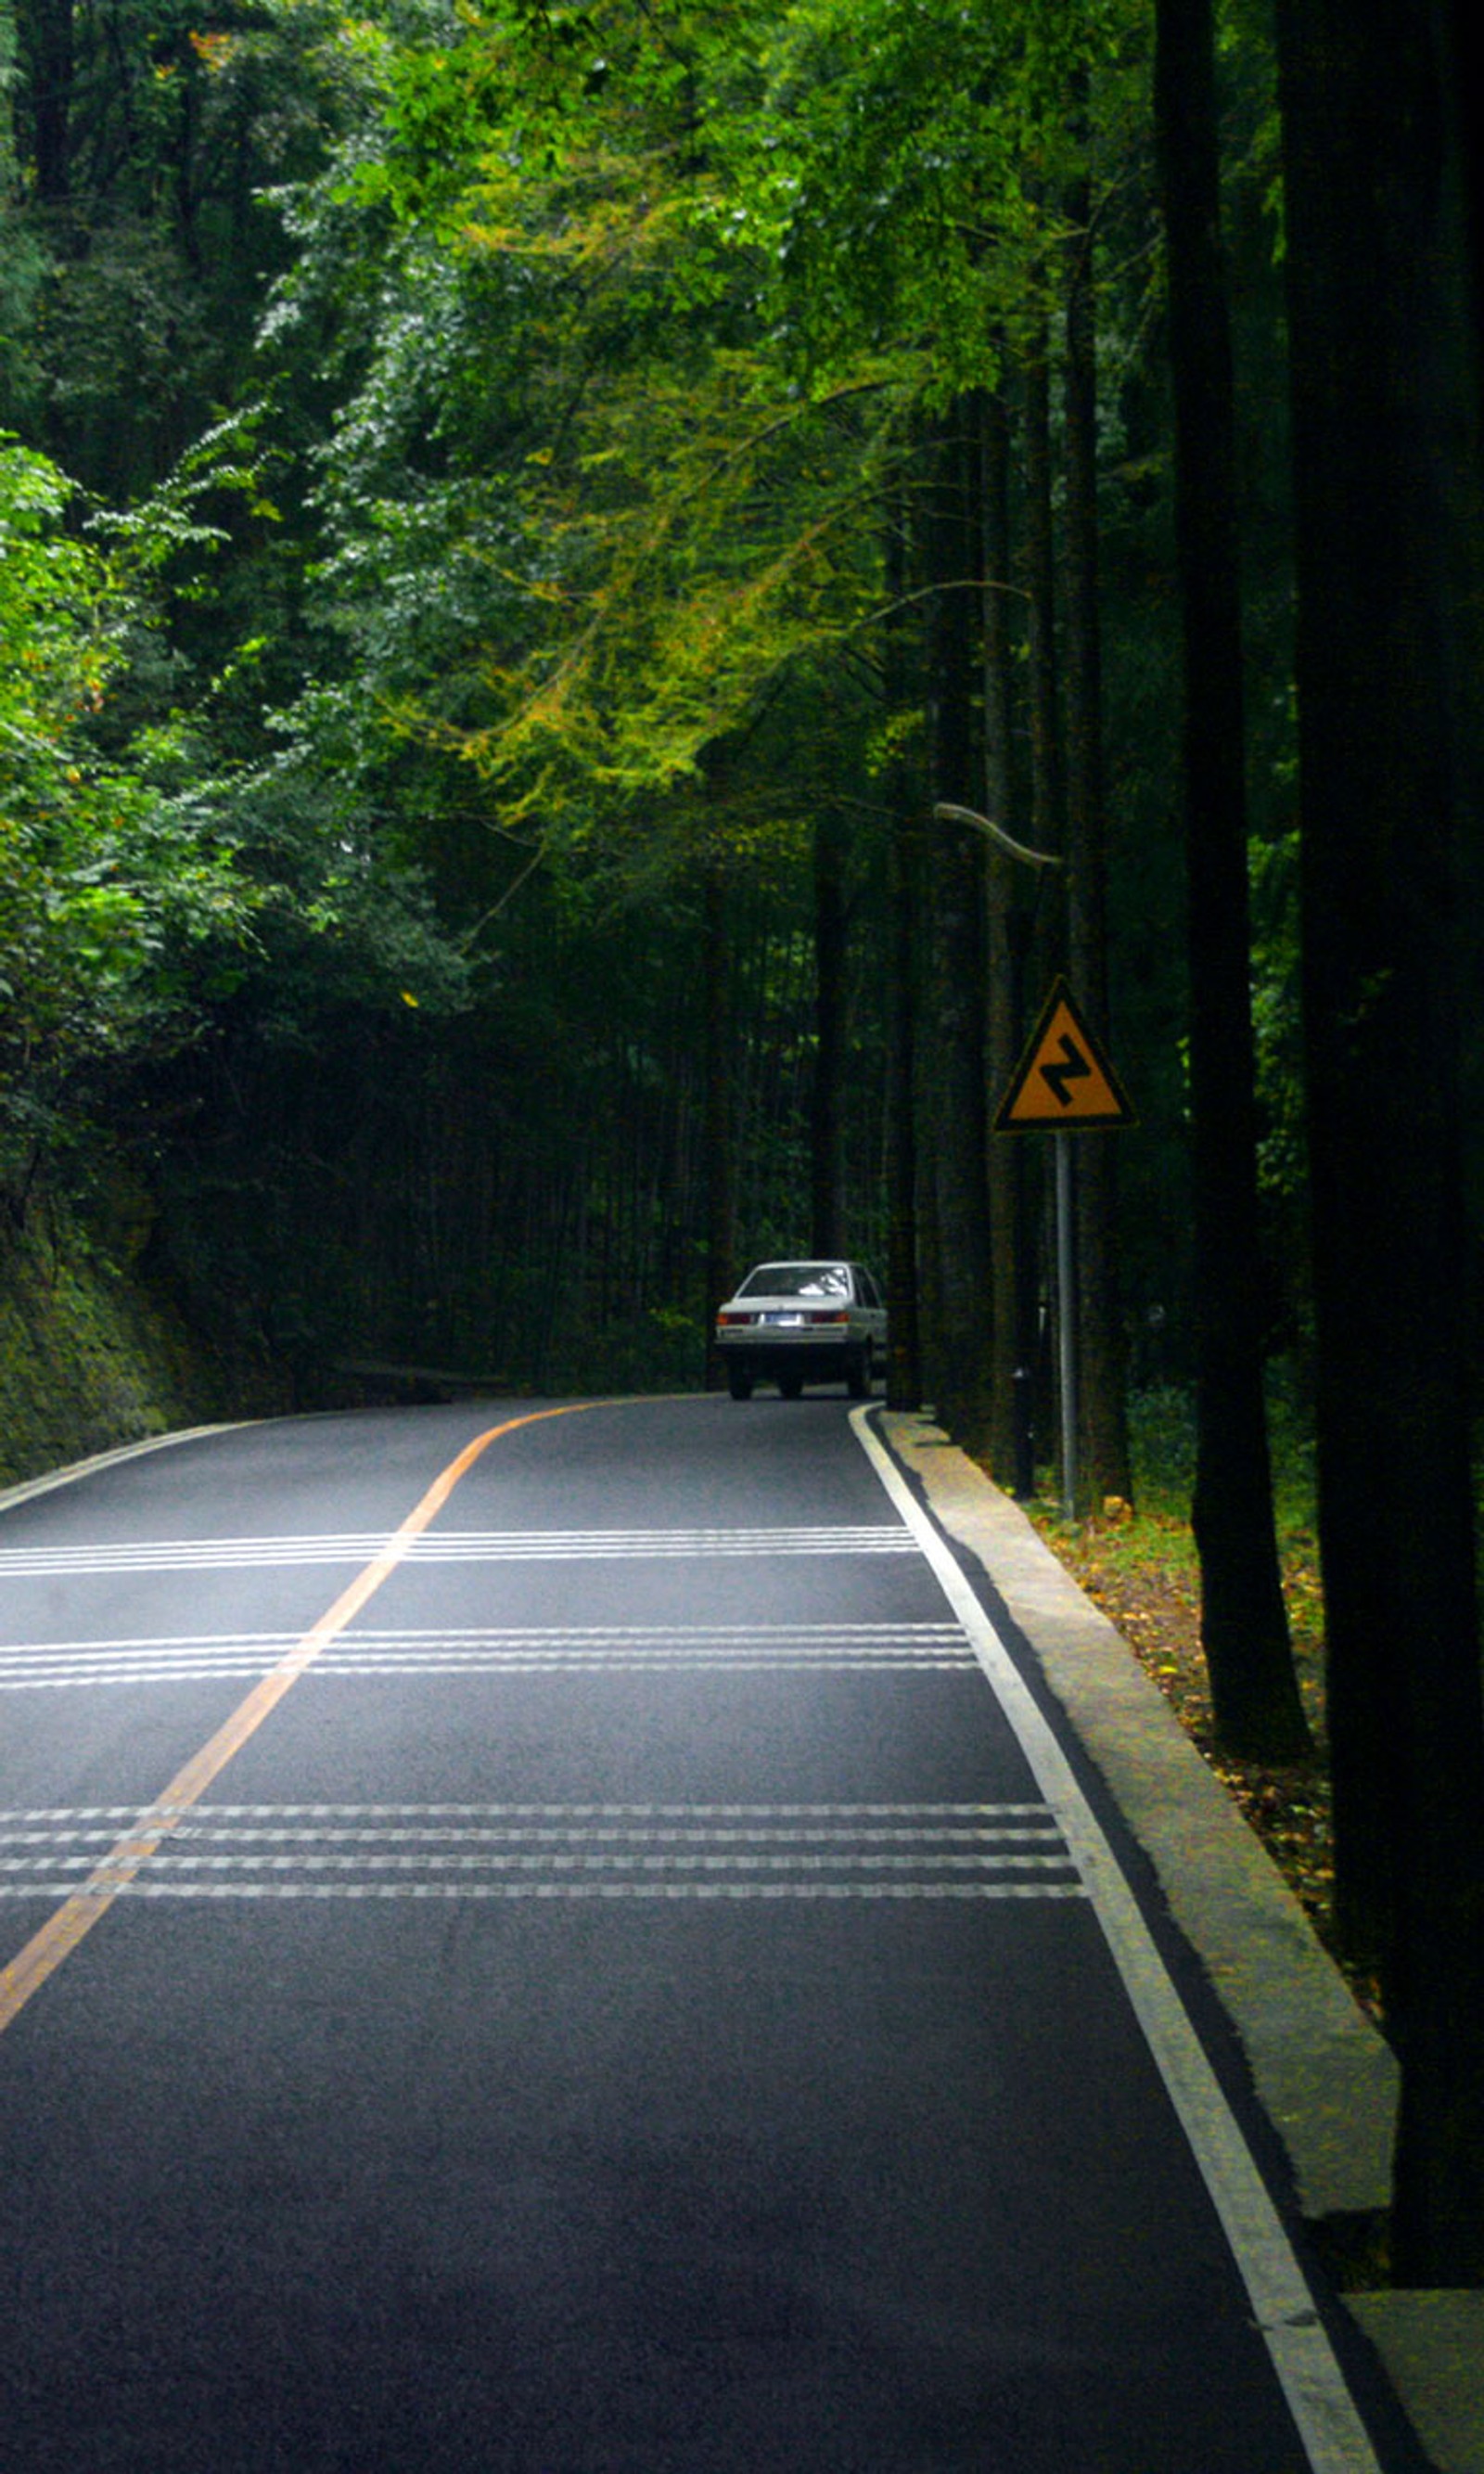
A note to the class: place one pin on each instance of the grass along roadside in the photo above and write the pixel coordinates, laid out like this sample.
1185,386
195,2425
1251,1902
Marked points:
1140,1566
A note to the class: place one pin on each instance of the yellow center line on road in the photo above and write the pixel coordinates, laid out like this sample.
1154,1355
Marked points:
72,1921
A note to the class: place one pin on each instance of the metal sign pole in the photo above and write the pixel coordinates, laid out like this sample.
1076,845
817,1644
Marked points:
1067,1319
1064,1084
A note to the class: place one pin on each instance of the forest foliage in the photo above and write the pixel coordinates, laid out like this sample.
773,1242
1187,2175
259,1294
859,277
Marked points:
573,357
485,484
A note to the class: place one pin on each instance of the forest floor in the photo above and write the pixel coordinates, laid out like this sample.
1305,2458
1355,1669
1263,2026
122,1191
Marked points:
1141,1568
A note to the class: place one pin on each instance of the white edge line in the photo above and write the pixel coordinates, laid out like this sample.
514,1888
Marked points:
30,1488
1319,2398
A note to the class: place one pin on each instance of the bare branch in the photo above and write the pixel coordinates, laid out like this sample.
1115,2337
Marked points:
996,834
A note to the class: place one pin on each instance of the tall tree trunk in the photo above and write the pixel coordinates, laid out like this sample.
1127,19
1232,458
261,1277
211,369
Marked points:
904,1359
1244,1622
721,1176
1386,476
46,38
827,1166
904,1344
1007,1160
1466,151
1042,943
963,1335
1103,1443
1048,801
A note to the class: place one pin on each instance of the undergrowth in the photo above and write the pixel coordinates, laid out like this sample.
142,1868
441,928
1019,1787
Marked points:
1140,1564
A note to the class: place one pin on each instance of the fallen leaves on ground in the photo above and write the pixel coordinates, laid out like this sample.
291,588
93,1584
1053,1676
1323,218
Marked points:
1142,1572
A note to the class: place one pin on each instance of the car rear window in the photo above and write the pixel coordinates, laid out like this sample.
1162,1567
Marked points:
797,1280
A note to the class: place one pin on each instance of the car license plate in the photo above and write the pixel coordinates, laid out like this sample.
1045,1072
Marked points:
792,1322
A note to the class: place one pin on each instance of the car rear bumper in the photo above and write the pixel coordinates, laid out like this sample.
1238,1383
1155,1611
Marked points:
813,1357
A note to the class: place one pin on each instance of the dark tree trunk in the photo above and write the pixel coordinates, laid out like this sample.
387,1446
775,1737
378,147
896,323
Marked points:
827,1115
903,1362
1244,1622
1104,1447
720,1179
963,1330
1386,474
1048,804
45,28
1007,1160
1042,949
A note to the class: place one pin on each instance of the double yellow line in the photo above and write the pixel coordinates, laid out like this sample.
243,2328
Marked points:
72,1921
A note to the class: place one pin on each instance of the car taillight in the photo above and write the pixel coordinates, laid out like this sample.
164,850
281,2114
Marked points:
733,1318
829,1317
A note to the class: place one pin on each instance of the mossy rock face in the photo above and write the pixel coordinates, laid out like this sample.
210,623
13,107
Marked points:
89,1357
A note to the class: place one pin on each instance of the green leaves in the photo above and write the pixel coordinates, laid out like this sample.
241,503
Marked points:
630,313
105,882
169,525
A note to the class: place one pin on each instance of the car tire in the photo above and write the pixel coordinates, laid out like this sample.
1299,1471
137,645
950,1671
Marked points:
738,1384
859,1373
790,1386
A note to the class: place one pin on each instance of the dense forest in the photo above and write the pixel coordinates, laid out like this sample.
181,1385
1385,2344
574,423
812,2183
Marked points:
597,600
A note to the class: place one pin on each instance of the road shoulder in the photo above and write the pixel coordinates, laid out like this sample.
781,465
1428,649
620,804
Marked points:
50,1480
1323,2074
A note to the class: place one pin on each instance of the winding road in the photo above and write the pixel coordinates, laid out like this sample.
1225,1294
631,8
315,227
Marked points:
537,1944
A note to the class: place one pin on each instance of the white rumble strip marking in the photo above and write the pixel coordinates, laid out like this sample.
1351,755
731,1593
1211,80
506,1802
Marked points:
509,1650
835,1852
450,1546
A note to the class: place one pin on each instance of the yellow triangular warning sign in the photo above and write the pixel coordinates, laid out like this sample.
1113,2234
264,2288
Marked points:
1063,1077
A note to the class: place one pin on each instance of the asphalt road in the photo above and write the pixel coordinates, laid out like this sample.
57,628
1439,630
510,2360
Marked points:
614,2001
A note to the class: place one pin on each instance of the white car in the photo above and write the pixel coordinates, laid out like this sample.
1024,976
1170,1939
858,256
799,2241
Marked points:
792,1323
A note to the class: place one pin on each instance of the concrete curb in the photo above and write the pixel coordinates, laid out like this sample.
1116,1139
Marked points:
50,1479
1324,2075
